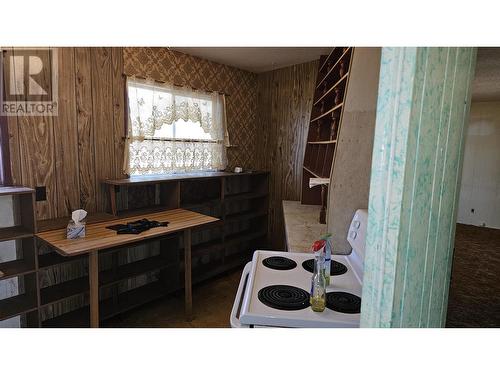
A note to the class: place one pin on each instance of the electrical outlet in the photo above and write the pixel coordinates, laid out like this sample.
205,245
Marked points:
40,193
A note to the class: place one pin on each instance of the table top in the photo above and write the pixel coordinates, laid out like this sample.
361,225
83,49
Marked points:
98,237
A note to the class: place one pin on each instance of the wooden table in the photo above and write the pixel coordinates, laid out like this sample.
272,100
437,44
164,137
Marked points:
98,237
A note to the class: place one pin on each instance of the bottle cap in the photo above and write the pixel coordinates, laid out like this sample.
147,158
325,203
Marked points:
318,245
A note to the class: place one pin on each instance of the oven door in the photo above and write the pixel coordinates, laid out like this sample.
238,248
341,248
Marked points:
238,300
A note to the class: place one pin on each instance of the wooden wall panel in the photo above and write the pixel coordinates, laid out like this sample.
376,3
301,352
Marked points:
36,142
72,153
118,80
15,158
102,103
284,101
85,128
66,137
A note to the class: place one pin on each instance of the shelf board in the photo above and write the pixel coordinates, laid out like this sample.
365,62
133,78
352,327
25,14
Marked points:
322,142
15,233
15,268
126,301
68,289
331,89
333,67
244,215
64,290
244,196
53,259
327,112
245,236
209,203
16,305
311,172
327,58
15,190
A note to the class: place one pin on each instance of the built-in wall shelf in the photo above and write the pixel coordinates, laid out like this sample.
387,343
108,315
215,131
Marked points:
325,124
25,267
240,200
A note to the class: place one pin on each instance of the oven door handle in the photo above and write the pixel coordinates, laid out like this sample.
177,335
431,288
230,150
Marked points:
234,319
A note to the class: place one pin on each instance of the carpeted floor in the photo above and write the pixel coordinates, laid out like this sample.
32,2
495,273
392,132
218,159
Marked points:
474,298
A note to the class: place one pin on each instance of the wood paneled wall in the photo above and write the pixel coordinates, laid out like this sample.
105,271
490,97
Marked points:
71,153
284,108
268,116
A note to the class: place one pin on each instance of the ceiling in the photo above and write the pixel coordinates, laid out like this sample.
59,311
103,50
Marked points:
257,59
486,83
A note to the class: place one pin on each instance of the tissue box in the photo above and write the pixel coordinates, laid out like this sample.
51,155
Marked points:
75,230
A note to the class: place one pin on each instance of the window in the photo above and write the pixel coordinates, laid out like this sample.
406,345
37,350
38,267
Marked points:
174,129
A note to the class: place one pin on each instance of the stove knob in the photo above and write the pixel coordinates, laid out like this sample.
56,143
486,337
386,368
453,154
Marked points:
356,224
353,234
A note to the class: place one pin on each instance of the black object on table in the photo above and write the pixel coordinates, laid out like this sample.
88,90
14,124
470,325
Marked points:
136,227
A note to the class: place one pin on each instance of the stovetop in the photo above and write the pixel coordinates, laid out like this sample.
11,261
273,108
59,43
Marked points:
294,285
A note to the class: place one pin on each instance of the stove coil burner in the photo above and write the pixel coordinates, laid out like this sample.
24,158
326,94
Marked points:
279,263
343,302
336,268
284,297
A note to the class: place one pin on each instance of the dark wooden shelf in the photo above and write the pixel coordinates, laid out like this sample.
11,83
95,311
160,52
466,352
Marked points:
68,289
54,259
333,67
244,215
244,236
126,301
16,268
331,89
334,108
209,203
325,63
17,305
244,196
210,255
324,131
15,233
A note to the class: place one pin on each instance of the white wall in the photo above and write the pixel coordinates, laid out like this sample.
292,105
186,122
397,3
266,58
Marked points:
480,191
8,287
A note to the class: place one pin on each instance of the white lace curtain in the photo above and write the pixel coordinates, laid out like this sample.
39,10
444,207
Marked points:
154,105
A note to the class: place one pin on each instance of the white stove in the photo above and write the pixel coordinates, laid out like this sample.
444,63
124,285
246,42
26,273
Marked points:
279,296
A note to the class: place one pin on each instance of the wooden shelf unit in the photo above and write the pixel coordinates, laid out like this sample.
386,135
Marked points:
240,199
25,267
325,124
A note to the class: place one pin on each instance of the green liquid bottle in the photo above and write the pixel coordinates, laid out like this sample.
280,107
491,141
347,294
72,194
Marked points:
318,283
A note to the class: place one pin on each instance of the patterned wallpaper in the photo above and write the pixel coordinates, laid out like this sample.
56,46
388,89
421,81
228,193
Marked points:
241,86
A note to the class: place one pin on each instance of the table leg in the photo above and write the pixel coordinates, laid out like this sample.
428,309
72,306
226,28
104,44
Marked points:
187,275
94,288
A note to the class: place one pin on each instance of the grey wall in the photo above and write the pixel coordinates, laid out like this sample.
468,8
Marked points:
350,178
479,202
